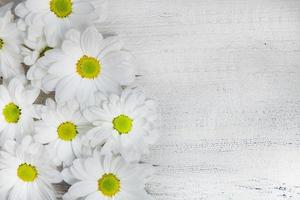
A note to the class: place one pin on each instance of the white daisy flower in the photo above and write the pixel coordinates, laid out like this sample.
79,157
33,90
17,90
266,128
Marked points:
85,64
58,16
125,123
10,44
35,45
34,50
106,178
25,172
17,109
62,128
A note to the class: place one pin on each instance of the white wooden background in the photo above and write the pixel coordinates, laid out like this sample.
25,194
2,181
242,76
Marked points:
226,75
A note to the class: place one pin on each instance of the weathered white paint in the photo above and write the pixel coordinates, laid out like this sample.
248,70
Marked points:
226,75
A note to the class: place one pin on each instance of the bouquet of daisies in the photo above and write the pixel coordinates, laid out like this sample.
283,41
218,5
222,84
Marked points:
94,126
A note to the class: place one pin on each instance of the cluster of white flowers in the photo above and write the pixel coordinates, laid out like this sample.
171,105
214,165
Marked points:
94,131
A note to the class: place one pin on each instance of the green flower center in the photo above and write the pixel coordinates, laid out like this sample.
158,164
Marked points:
11,113
67,131
88,67
42,53
27,172
1,43
123,124
61,8
109,185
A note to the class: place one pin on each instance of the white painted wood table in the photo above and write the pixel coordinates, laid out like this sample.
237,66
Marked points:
226,75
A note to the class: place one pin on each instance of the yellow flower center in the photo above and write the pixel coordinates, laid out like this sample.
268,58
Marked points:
123,124
42,53
27,172
1,43
88,67
109,185
61,8
11,113
67,131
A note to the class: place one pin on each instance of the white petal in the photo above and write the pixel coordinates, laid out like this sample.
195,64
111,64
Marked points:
45,190
79,172
4,95
107,84
90,40
31,94
21,10
62,68
7,179
73,35
65,152
83,8
92,168
66,89
108,45
46,136
85,90
18,192
49,82
68,177
81,189
94,196
72,49
50,174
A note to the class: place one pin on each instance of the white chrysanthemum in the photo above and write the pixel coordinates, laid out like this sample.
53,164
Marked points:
34,49
10,44
17,109
62,128
35,45
106,178
58,16
86,63
25,172
125,124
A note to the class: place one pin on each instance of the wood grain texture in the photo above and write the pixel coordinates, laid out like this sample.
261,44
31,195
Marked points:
226,75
